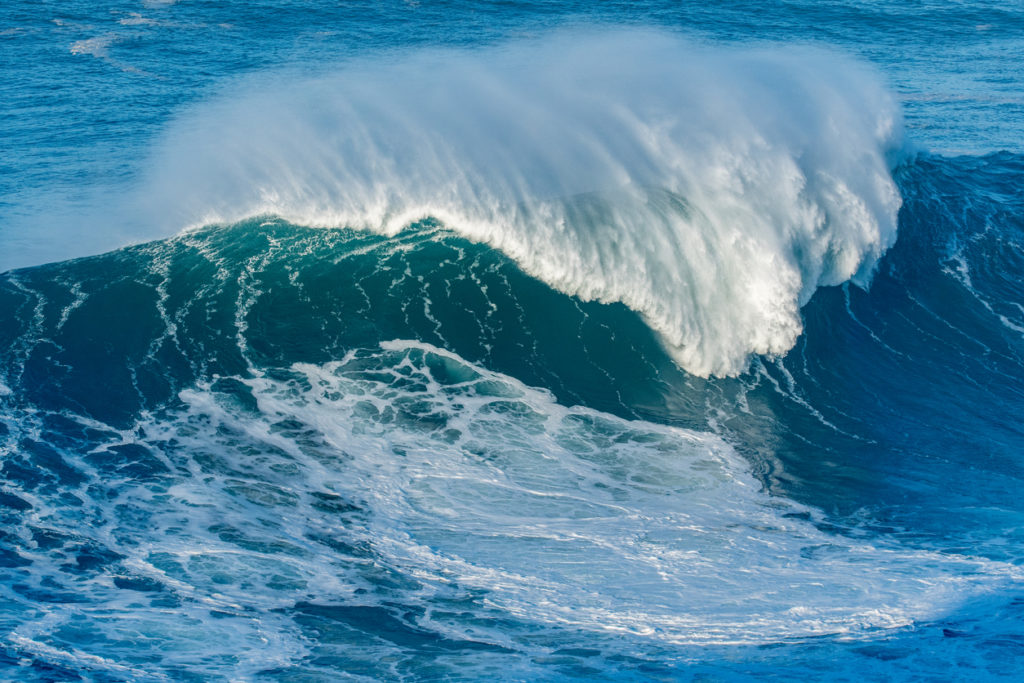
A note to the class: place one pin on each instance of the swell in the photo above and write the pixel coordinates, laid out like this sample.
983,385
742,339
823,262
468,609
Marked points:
710,189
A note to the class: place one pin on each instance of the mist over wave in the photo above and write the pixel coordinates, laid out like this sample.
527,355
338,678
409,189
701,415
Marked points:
710,189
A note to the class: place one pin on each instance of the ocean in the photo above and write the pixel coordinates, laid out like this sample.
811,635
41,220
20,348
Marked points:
508,341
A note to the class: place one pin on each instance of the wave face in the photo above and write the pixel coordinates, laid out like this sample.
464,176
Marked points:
710,189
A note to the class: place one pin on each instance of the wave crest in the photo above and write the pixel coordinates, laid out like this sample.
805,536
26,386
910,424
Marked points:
710,189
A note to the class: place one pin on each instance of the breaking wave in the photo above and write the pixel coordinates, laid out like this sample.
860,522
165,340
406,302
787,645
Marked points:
711,189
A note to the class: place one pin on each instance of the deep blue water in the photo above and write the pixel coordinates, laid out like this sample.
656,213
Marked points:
511,341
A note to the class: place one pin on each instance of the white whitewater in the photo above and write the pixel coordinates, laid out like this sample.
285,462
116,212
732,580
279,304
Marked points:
570,518
405,479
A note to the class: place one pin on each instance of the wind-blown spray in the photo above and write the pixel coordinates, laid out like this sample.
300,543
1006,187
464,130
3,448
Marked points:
710,189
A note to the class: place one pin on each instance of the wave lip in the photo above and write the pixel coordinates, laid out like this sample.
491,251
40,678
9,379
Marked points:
711,189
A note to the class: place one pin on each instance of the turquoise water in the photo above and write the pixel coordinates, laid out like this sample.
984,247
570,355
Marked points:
425,341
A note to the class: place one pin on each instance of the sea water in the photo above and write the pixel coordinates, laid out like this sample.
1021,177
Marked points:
443,341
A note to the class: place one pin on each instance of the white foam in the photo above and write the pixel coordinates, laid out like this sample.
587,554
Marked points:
561,516
710,189
406,483
136,19
97,46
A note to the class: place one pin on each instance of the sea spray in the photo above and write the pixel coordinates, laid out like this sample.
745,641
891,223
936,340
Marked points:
711,189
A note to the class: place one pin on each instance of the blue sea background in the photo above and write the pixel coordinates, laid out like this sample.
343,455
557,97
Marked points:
288,450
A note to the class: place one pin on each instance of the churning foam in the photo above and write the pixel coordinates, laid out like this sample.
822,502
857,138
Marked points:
565,517
406,480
